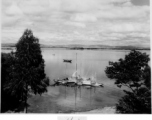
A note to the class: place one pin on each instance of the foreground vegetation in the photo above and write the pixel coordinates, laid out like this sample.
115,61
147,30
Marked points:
22,73
134,73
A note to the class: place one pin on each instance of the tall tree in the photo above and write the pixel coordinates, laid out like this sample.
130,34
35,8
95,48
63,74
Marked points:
132,72
27,74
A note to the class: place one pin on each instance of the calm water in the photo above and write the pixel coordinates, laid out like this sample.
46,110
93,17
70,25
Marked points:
89,63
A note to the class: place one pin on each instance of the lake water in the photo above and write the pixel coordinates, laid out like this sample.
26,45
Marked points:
90,63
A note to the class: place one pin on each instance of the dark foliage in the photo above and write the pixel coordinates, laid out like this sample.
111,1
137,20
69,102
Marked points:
27,71
135,103
8,101
133,72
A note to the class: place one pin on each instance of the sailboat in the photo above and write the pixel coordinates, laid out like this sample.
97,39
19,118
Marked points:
71,80
86,82
94,82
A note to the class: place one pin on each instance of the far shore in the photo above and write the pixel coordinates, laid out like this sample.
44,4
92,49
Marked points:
79,48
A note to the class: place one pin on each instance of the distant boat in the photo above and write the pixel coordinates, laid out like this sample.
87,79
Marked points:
66,60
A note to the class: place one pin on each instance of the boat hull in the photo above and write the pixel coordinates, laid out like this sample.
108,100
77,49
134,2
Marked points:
67,61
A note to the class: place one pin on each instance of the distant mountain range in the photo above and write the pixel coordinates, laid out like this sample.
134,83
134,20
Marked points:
81,47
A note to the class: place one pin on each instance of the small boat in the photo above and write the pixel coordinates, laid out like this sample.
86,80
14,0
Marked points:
97,85
60,82
79,80
71,80
66,60
94,82
86,83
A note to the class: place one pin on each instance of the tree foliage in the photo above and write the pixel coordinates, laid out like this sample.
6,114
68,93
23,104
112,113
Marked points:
8,101
135,103
27,72
133,72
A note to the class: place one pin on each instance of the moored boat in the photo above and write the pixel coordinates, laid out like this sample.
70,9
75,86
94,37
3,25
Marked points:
67,60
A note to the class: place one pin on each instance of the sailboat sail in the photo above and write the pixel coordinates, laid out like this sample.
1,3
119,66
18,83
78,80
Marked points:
74,74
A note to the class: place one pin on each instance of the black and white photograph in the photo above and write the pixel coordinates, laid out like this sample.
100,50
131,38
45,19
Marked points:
75,57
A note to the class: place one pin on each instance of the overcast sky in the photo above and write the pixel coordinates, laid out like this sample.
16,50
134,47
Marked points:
105,22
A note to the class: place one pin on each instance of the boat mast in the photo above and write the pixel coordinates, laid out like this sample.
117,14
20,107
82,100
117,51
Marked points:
76,64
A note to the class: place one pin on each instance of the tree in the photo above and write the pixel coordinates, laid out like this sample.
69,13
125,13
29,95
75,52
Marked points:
132,72
8,101
27,73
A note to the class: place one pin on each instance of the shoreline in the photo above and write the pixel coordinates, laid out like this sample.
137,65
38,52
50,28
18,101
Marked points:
104,110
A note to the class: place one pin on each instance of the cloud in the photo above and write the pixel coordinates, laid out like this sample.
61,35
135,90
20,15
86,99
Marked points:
128,27
33,6
14,10
114,12
95,21
80,17
141,2
77,24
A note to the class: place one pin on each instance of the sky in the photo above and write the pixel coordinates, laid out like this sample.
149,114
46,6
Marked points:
87,22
